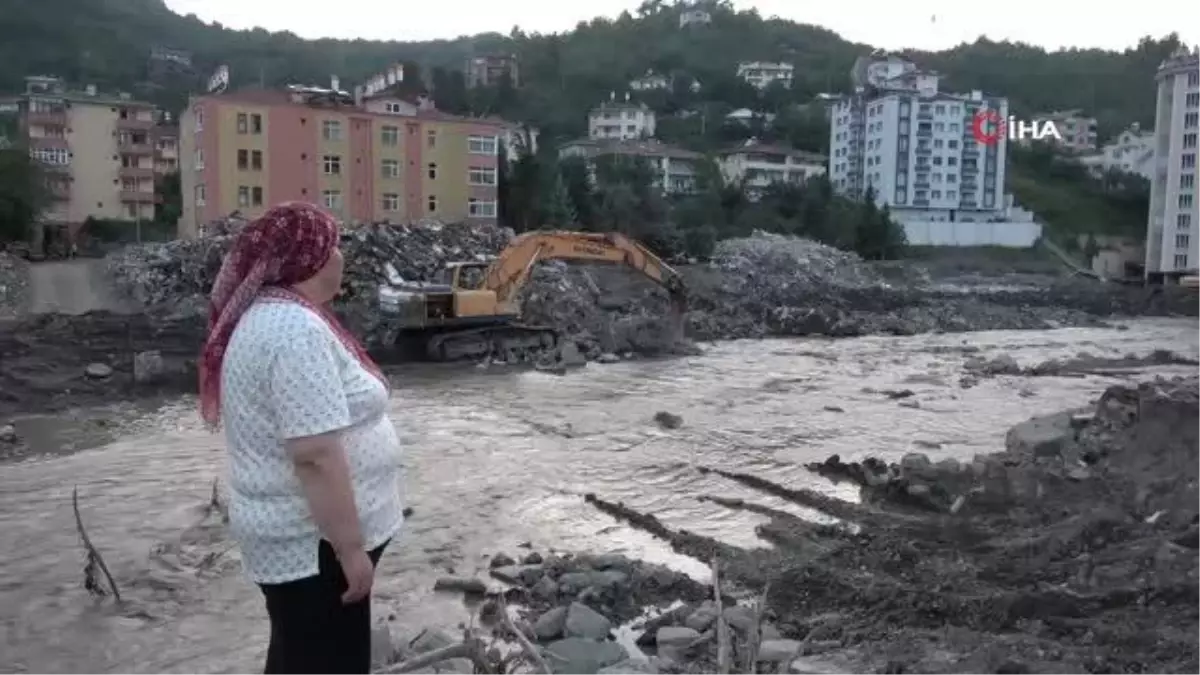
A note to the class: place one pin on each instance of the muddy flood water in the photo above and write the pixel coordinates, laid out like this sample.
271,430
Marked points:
498,458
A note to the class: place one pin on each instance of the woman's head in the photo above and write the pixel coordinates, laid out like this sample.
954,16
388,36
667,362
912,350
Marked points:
293,245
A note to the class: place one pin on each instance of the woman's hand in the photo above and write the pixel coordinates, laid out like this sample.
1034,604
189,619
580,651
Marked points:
359,572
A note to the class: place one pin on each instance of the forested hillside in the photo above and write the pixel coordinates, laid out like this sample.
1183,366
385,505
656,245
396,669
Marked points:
107,42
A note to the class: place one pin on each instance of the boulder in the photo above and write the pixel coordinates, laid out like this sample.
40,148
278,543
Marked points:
583,621
581,655
550,625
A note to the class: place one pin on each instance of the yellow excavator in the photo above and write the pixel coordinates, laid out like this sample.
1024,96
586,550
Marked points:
472,311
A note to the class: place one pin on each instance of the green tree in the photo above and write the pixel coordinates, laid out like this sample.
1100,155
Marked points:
23,194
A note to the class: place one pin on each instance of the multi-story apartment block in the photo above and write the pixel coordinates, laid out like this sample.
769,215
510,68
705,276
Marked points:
99,151
1078,131
758,165
1172,240
1130,152
621,120
369,157
694,16
676,168
762,74
914,147
490,70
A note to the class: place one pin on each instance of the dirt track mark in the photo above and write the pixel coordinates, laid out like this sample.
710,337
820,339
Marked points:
70,287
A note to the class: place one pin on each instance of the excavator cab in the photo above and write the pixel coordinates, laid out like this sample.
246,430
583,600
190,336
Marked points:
471,299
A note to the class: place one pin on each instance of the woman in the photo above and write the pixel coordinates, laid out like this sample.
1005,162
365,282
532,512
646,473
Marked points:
314,460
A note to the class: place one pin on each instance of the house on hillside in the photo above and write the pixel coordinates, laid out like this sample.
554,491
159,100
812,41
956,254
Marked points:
694,15
677,168
1131,152
623,120
761,74
650,82
1078,130
758,165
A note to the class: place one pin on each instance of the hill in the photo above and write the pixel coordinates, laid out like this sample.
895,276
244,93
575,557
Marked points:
108,43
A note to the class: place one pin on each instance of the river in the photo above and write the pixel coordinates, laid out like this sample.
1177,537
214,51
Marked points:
497,458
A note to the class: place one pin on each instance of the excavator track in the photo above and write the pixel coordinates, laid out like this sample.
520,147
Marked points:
511,343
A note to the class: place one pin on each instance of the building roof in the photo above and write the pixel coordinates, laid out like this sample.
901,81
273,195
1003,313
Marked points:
773,149
621,105
641,148
280,97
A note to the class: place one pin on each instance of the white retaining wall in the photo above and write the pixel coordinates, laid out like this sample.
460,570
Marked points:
1008,234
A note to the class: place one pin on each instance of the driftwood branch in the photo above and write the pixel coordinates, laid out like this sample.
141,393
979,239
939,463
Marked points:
469,650
530,650
754,639
94,559
724,658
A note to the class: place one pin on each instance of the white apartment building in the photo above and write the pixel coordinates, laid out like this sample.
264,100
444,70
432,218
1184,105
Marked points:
1172,239
676,168
914,146
762,73
758,165
650,82
1130,152
621,120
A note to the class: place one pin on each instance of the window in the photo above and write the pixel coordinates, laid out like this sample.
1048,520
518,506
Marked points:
243,124
389,135
433,170
332,199
199,120
481,176
431,139
256,123
1193,79
201,194
1188,160
1185,201
390,168
391,202
1181,261
1190,120
432,203
256,196
243,196
1183,221
393,107
333,165
256,160
331,130
199,159
243,159
1187,181
479,208
481,145
1182,241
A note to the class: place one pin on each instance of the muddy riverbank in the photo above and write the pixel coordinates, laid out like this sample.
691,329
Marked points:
500,458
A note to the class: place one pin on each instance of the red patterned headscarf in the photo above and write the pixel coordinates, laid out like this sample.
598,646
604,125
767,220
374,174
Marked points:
289,244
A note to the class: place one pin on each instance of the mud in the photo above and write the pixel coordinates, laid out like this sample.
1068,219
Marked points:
1079,556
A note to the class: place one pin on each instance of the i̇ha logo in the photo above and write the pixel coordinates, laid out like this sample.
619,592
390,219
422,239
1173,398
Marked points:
988,127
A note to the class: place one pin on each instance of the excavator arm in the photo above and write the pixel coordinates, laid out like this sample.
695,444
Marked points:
508,273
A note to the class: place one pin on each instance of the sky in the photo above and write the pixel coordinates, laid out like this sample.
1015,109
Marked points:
939,24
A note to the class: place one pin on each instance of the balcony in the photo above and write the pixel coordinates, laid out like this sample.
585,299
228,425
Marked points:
136,172
48,143
924,151
138,197
134,124
133,148
47,118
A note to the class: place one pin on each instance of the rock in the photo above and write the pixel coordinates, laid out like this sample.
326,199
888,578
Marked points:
429,640
461,585
583,621
673,642
1044,436
148,366
631,666
1078,473
667,420
546,589
525,575
569,354
501,560
533,558
739,617
382,650
608,357
550,625
702,618
580,655
808,665
8,433
98,371
778,651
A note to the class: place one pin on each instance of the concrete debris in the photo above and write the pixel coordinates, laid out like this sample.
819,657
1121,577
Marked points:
14,284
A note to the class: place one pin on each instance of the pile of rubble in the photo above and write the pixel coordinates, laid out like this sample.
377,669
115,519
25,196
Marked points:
14,283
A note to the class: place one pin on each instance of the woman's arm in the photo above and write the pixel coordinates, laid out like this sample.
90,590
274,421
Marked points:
324,473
